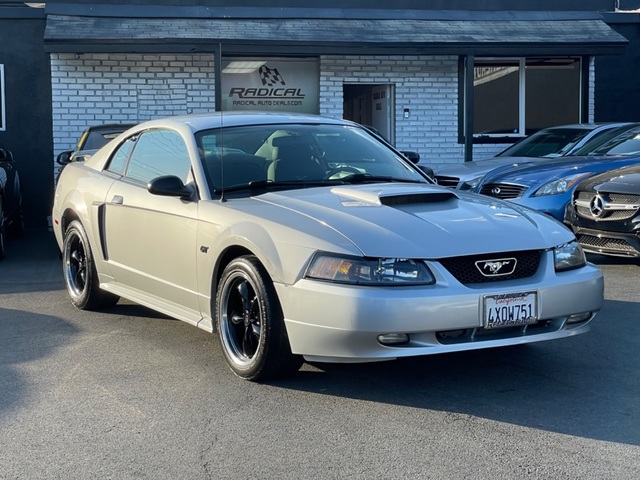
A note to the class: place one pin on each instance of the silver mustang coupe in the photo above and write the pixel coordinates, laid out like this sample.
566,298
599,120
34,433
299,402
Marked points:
301,237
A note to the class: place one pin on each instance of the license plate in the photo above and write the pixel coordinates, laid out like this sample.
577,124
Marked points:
510,309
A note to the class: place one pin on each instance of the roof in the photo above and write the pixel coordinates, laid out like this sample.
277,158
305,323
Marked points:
445,34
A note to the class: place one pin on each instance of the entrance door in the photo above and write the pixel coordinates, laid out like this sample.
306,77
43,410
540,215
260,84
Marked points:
371,105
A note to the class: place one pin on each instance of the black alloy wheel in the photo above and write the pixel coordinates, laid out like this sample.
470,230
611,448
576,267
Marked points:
80,274
250,322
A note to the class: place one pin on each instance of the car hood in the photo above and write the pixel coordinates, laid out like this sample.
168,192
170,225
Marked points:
479,167
625,180
413,220
545,171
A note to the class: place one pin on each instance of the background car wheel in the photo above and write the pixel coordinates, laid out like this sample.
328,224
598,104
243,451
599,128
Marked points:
80,274
250,322
1,231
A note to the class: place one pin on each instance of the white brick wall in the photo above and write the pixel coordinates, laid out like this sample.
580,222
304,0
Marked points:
112,88
427,85
91,89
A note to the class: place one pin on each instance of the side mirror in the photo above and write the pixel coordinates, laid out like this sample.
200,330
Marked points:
427,170
169,186
413,157
64,158
80,157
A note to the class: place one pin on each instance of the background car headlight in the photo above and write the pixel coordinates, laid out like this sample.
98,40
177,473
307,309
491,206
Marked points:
561,185
369,271
472,183
569,256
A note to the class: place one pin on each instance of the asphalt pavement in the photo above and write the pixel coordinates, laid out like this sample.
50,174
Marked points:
126,393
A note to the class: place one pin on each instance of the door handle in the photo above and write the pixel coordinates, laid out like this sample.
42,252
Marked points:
117,200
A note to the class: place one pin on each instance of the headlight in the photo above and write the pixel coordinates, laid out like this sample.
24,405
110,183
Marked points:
472,183
561,185
569,256
369,271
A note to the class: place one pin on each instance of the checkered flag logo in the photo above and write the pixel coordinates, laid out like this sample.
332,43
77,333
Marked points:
270,76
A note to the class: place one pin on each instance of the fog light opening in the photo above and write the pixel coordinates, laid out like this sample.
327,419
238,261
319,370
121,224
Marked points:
579,317
393,338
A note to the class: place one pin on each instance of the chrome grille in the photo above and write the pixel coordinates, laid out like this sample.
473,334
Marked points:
451,182
505,191
465,271
624,198
628,201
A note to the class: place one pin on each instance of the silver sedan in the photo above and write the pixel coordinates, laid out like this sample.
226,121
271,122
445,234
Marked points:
300,237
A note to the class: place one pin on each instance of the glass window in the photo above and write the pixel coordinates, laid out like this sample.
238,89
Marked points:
516,97
550,142
118,161
298,156
621,141
157,153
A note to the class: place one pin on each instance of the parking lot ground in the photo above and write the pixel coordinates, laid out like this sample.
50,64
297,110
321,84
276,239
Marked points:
128,393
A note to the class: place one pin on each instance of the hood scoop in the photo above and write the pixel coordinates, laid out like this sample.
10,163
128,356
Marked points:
394,197
416,199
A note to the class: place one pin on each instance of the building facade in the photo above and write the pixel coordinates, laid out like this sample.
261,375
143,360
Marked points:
453,81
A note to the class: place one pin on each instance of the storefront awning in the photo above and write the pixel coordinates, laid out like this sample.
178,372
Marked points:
327,36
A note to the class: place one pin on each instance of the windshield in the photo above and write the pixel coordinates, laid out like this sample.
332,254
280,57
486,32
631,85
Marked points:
298,155
546,143
620,141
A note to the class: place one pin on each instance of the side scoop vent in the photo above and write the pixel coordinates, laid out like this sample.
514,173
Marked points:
416,199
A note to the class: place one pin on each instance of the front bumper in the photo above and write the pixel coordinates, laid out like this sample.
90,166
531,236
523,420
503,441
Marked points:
608,243
327,322
615,238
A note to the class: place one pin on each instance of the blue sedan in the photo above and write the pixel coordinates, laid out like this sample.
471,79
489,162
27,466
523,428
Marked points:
547,185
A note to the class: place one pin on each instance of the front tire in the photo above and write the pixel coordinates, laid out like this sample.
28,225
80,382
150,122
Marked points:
80,275
250,322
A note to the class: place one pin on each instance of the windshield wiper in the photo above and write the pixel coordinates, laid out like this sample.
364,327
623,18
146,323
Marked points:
263,185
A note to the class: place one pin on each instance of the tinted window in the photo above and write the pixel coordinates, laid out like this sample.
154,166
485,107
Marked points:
157,153
620,141
551,143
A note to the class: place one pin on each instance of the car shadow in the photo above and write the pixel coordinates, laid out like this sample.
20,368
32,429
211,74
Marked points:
585,386
47,333
32,264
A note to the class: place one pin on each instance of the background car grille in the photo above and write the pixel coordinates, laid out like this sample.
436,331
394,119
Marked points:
591,242
505,191
465,271
451,182
609,215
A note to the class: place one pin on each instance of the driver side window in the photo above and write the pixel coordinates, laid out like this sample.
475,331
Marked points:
157,153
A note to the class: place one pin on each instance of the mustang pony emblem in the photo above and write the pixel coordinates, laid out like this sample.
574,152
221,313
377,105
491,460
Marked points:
493,268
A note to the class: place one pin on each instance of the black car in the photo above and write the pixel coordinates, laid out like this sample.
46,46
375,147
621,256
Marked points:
10,199
605,213
91,140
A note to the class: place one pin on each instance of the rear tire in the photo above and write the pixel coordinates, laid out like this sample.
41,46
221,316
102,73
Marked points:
80,275
250,323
